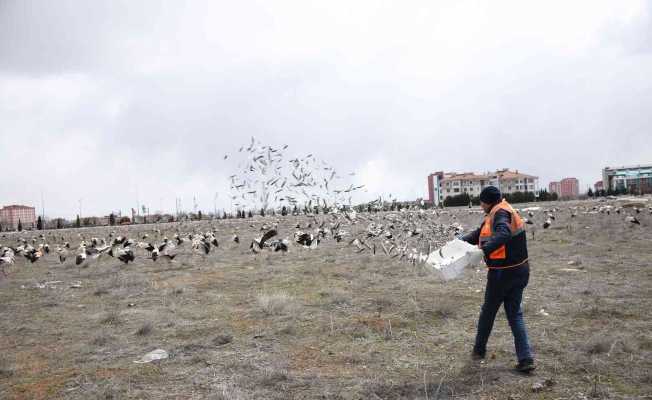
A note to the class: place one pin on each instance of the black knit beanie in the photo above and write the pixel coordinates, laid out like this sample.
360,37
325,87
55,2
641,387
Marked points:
490,195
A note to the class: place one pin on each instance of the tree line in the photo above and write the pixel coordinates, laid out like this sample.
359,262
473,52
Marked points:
464,199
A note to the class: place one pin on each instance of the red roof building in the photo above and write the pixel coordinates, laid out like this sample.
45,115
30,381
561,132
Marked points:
444,184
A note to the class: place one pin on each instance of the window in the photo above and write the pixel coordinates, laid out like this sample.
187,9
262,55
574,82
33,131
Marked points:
456,190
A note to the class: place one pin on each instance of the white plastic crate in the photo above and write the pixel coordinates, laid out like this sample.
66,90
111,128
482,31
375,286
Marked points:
453,257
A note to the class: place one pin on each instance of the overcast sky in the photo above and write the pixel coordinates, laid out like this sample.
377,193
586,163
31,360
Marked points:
119,103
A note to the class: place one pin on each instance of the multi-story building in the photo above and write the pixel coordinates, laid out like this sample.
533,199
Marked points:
442,185
636,179
10,215
434,183
570,188
566,188
513,181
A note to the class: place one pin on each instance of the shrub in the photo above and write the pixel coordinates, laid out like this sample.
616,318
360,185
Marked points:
276,303
462,199
145,330
111,318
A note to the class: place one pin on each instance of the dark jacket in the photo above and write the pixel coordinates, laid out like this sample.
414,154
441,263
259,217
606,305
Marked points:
501,233
515,247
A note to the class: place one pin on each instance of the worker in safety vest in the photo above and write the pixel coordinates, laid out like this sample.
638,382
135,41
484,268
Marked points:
501,237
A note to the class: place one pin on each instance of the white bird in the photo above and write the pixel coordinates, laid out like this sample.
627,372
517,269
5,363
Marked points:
7,258
62,252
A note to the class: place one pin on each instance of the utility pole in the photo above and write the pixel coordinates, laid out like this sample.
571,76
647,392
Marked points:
80,207
42,207
137,201
215,204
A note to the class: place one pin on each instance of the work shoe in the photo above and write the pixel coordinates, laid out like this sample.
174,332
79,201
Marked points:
475,356
525,366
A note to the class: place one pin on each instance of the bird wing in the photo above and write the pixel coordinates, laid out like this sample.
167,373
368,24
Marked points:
267,235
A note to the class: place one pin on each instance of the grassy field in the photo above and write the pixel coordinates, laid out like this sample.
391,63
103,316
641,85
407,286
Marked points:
328,323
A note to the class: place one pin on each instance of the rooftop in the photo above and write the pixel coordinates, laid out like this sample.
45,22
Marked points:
501,173
507,174
15,206
469,176
628,167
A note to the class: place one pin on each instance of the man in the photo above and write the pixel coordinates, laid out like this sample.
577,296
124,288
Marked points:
501,237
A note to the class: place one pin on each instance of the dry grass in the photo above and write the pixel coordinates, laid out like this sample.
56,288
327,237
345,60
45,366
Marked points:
111,318
221,340
102,340
599,345
275,303
445,308
7,368
145,329
101,291
327,323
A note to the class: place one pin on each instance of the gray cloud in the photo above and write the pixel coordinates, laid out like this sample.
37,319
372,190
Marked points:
119,102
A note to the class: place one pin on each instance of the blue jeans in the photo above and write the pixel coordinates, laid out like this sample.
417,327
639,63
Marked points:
506,287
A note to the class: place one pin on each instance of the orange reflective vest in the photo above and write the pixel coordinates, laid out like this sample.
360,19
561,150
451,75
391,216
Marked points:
514,252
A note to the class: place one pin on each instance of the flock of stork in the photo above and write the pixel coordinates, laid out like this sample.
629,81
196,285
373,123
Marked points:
407,235
604,209
264,180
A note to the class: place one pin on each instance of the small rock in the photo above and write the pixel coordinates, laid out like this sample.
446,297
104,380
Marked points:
575,262
131,304
572,269
158,354
537,387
